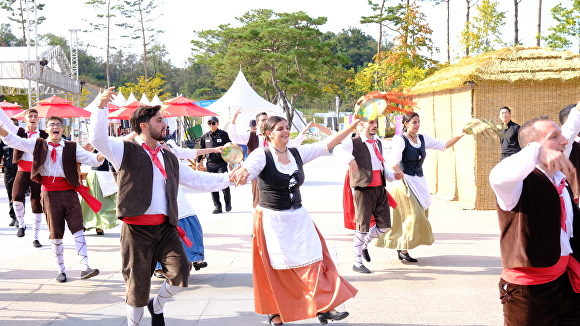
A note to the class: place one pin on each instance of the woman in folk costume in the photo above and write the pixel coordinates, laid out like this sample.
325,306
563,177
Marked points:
410,226
102,186
294,275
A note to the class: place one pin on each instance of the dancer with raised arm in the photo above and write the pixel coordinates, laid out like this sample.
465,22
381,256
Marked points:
148,178
294,275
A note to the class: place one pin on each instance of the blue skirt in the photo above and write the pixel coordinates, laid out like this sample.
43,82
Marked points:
192,227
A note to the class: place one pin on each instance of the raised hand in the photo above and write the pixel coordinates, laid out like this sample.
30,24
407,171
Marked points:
106,97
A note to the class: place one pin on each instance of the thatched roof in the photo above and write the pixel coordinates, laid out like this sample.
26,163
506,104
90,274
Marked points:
508,65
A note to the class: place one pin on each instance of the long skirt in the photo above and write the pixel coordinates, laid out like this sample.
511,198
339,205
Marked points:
410,226
192,228
106,218
297,293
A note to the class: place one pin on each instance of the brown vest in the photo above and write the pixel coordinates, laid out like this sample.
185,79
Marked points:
530,232
23,134
362,156
69,161
135,181
253,142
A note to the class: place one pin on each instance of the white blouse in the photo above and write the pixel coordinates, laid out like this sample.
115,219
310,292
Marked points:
291,237
417,184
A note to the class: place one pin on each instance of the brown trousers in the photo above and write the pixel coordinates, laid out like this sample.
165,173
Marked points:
549,304
61,206
369,201
142,246
21,183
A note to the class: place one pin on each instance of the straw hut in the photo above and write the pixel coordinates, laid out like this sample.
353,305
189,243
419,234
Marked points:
532,81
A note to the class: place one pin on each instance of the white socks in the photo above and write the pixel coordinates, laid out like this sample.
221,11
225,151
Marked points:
19,211
134,315
58,249
37,220
358,247
373,233
165,293
81,246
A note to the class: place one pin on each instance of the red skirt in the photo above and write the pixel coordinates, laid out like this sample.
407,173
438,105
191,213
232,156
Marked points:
298,293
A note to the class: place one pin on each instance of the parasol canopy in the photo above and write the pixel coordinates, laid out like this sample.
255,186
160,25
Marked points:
184,107
125,112
56,106
11,109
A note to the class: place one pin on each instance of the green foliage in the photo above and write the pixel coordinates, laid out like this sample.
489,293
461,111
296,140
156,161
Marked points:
17,13
283,56
150,87
7,38
355,44
482,33
568,25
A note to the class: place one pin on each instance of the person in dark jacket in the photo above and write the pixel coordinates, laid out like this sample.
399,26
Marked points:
509,133
9,169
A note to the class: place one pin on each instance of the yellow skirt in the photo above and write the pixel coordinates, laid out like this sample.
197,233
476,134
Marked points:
298,293
410,226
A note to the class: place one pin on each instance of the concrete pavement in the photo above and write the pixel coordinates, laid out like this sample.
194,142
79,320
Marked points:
454,282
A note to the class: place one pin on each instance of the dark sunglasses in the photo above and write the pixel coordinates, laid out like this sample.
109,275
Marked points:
211,123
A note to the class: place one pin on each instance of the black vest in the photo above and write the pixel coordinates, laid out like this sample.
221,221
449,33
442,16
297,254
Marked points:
275,188
103,167
412,160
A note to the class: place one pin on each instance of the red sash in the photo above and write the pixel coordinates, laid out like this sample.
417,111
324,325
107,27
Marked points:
348,205
156,219
542,275
25,166
377,180
60,184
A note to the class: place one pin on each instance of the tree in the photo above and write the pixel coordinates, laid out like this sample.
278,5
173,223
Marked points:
282,54
568,26
516,37
7,38
148,87
468,4
17,13
355,44
106,10
483,34
378,18
539,35
143,12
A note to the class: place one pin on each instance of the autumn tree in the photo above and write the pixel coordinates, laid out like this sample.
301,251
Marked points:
539,34
282,55
567,26
140,15
105,11
149,87
17,13
482,33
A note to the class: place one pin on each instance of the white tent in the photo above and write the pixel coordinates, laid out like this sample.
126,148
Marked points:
156,100
241,95
119,100
131,98
145,100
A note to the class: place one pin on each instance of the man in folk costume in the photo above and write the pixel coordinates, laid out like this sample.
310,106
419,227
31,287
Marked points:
539,226
255,139
22,181
54,166
367,176
148,178
573,150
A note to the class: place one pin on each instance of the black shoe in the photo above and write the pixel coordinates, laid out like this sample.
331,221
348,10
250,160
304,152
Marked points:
20,232
361,269
100,231
199,266
13,222
217,210
61,278
271,320
228,207
36,244
406,257
156,319
366,255
16,224
89,273
158,274
324,317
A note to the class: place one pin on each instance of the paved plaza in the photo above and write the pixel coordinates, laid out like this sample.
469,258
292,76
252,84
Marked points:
454,282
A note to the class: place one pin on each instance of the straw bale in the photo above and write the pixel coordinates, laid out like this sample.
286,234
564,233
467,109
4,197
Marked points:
508,65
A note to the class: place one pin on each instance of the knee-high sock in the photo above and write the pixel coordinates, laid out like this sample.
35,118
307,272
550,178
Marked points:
81,246
58,249
37,220
358,247
373,233
19,211
134,315
165,293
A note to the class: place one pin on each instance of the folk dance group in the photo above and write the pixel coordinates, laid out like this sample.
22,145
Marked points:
536,209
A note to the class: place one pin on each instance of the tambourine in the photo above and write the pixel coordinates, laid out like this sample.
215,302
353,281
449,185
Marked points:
376,104
232,153
476,126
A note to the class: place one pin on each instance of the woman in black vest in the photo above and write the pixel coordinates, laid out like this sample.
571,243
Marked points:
410,190
290,257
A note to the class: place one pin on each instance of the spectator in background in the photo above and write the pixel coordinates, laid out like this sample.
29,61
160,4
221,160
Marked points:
509,133
9,169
